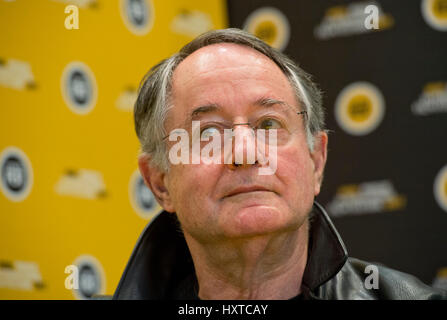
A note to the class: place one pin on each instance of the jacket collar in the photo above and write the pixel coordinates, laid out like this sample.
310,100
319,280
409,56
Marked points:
161,262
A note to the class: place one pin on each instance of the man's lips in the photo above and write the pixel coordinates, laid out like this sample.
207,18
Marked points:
246,189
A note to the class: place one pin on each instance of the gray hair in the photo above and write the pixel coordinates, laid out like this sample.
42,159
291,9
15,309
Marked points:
152,105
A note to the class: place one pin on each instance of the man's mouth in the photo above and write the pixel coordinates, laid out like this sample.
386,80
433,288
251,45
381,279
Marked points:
246,189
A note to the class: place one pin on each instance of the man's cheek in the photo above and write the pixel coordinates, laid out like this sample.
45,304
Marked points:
290,166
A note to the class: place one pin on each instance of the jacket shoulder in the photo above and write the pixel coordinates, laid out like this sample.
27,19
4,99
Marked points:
362,280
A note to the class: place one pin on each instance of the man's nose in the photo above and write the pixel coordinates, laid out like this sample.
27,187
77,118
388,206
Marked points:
243,147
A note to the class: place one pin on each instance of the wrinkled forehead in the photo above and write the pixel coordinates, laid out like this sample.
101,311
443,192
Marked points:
228,65
220,56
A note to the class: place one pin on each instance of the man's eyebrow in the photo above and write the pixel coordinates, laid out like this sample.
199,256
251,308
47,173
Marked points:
204,109
212,107
268,102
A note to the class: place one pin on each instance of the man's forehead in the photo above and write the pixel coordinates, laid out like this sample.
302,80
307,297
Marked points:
229,75
222,55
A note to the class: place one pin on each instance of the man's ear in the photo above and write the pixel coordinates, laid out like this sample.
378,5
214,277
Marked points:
319,156
155,180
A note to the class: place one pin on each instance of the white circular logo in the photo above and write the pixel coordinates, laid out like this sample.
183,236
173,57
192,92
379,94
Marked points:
16,174
359,108
79,87
91,278
138,15
435,13
440,188
142,198
270,25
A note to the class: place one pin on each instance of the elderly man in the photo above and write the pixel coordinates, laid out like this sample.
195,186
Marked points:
228,229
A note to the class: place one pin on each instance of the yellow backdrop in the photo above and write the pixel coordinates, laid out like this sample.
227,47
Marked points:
71,198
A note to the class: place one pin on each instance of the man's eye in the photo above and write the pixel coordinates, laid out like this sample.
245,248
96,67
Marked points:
268,124
209,132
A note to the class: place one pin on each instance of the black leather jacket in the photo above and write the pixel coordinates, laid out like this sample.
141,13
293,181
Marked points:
161,267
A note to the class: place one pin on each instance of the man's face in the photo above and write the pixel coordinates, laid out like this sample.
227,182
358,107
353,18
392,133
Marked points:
234,77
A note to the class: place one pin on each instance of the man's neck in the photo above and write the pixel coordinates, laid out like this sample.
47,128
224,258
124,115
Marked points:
263,267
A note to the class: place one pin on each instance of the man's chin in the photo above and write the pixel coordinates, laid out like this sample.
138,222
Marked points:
257,220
